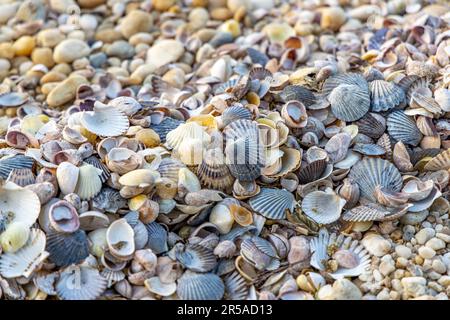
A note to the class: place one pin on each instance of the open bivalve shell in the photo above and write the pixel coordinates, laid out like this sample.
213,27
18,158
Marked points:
64,217
323,207
120,239
105,121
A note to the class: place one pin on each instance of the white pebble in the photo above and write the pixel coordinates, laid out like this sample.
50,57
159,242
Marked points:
403,251
414,286
424,235
386,267
443,236
439,266
435,244
426,252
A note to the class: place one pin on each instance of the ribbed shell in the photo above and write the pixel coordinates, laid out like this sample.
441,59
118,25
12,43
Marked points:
235,113
22,177
298,93
349,102
312,171
260,253
89,183
323,207
163,128
213,172
80,283
344,78
439,162
385,95
418,155
240,129
257,57
245,158
200,286
157,237
169,168
105,121
108,200
190,130
369,149
67,248
273,203
363,213
236,288
94,161
403,128
197,258
371,172
15,162
24,261
370,126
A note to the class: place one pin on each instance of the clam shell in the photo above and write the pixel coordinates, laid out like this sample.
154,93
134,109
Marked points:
90,284
369,149
141,178
156,286
89,183
7,164
92,220
234,113
120,239
439,162
67,175
157,237
105,121
372,172
349,102
236,287
108,200
126,105
196,258
344,78
371,126
323,207
337,146
190,130
385,95
259,253
273,203
403,128
22,177
123,160
166,126
213,172
23,262
200,286
244,158
67,248
14,237
63,217
94,161
13,99
298,93
18,204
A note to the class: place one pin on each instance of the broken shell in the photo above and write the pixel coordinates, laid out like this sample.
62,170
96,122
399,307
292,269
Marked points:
120,239
64,217
91,283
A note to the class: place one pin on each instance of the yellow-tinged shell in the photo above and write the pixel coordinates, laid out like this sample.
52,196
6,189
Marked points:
205,120
139,178
32,123
241,215
89,183
14,237
187,130
222,217
190,151
148,137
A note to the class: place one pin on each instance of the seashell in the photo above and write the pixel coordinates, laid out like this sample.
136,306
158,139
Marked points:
105,121
349,191
371,172
127,105
310,281
244,190
259,253
200,286
73,136
439,162
371,125
374,212
157,237
245,158
213,172
92,220
166,126
202,197
90,283
297,93
337,146
385,142
94,161
22,177
425,203
108,200
344,78
323,207
20,140
349,102
196,258
241,215
13,99
240,129
401,157
312,171
389,198
18,205
67,176
232,114
45,282
419,100
294,114
273,203
299,250
7,164
123,160
89,183
141,178
169,168
190,130
225,249
190,152
14,237
23,262
156,286
120,239
403,128
350,159
369,149
67,248
187,182
221,216
64,217
236,288
442,97
385,95
289,182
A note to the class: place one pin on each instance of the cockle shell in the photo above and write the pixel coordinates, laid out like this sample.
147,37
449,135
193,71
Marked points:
403,128
196,258
344,78
349,102
323,207
105,120
91,283
187,130
245,158
385,95
439,162
200,286
89,183
67,248
22,177
7,164
273,203
213,172
259,253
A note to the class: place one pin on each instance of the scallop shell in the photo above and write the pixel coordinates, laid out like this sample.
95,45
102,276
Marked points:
369,149
67,176
299,93
190,130
169,168
439,162
7,164
234,113
374,212
105,121
200,286
372,172
166,126
108,200
273,203
67,248
120,239
312,171
64,217
426,203
236,288
22,177
371,126
241,129
349,102
403,128
126,105
244,158
344,78
23,262
196,258
320,247
45,282
18,204
80,283
94,161
89,183
213,172
323,207
157,237
385,95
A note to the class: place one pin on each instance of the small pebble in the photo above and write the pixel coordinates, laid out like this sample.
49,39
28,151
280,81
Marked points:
426,252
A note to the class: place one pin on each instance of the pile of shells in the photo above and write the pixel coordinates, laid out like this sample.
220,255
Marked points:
224,149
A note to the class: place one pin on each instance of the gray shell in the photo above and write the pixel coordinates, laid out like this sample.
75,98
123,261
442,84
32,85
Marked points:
22,177
349,102
157,237
108,200
260,253
370,126
369,149
403,128
385,95
200,286
15,162
298,93
67,248
234,113
169,168
90,284
196,258
236,288
163,128
344,78
273,203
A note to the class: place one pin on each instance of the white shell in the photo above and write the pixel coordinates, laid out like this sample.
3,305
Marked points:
155,286
89,183
105,121
187,130
120,239
90,283
323,207
67,176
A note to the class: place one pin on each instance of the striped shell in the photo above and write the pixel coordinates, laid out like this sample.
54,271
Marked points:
323,207
190,130
299,93
240,129
375,212
235,113
245,158
236,287
312,171
7,164
94,161
105,121
385,95
169,168
22,177
273,203
108,200
369,149
89,283
344,78
371,125
200,286
196,258
260,253
157,237
403,128
349,102
439,162
213,172
67,248
163,128
371,172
